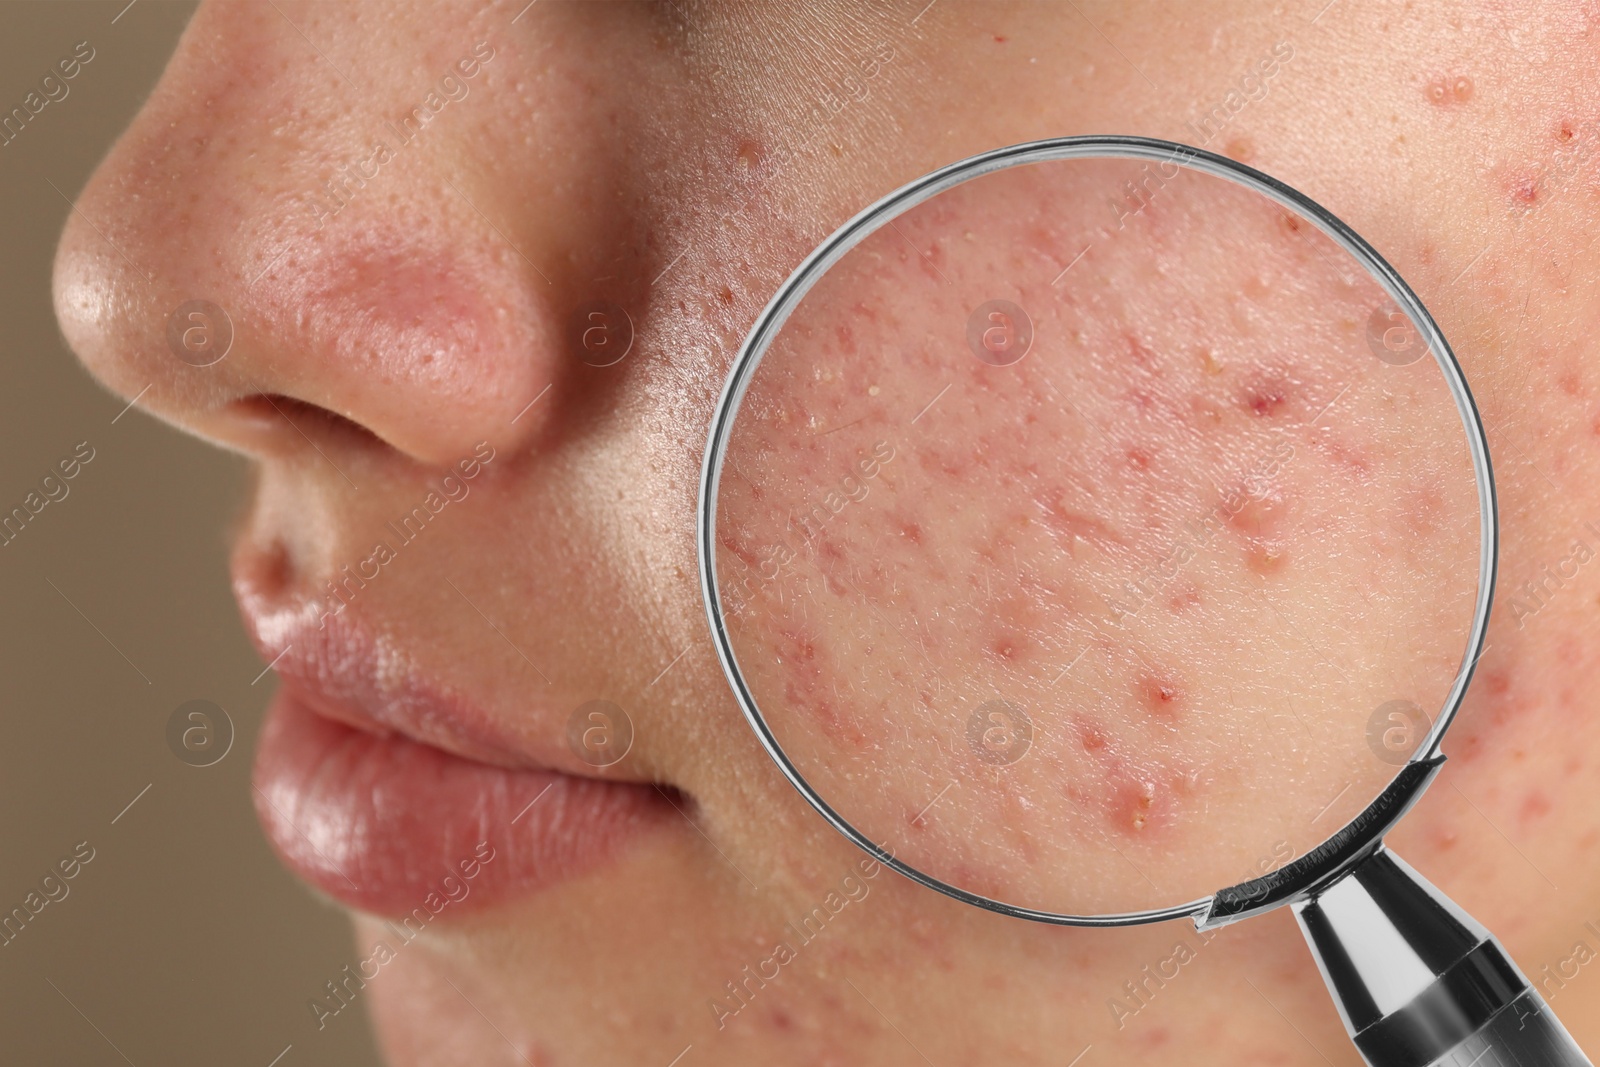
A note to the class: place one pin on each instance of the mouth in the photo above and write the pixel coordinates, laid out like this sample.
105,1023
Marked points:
397,798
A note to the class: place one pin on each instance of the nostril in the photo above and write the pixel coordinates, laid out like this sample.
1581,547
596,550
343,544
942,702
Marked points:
276,569
275,413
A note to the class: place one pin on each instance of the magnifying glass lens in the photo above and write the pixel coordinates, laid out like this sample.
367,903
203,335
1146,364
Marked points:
1094,534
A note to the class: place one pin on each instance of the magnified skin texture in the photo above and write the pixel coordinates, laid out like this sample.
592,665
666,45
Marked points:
678,160
1172,559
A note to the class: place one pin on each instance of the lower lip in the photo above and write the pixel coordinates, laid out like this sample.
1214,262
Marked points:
387,825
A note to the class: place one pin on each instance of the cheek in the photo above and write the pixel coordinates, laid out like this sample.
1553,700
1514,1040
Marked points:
1131,596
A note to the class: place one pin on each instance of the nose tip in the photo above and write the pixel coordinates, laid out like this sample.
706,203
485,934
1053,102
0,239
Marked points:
429,344
202,272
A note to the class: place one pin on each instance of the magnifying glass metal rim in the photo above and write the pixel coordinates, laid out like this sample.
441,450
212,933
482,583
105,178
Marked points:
1372,823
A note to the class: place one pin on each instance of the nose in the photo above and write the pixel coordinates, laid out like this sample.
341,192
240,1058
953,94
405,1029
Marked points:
271,257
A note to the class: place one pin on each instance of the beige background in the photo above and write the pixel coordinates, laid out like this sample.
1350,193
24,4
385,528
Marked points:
182,941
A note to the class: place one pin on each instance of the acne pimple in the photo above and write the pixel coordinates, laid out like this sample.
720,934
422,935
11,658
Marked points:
748,155
846,338
1523,188
1143,799
1265,558
1242,148
1259,516
1091,736
1132,797
1448,90
1535,805
1266,397
1133,804
1184,599
1007,647
1161,695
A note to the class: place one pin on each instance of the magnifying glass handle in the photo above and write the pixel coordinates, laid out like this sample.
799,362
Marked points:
1419,982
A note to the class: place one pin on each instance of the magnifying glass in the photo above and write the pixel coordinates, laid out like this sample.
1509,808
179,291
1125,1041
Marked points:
1100,532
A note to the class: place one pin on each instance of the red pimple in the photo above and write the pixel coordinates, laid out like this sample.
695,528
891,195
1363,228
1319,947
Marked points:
1256,516
1266,400
1138,459
1133,805
847,338
1016,616
1156,1037
1535,805
1091,736
835,727
1007,647
1143,800
1134,798
1523,189
1161,695
796,647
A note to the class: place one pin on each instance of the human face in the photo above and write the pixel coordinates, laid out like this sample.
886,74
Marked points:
464,532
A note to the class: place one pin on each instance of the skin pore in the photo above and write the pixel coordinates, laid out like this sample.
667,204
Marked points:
677,160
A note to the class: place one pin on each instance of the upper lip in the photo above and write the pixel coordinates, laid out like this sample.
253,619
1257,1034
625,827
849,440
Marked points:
337,667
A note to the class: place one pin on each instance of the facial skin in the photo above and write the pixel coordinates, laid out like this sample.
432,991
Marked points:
678,160
1136,535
